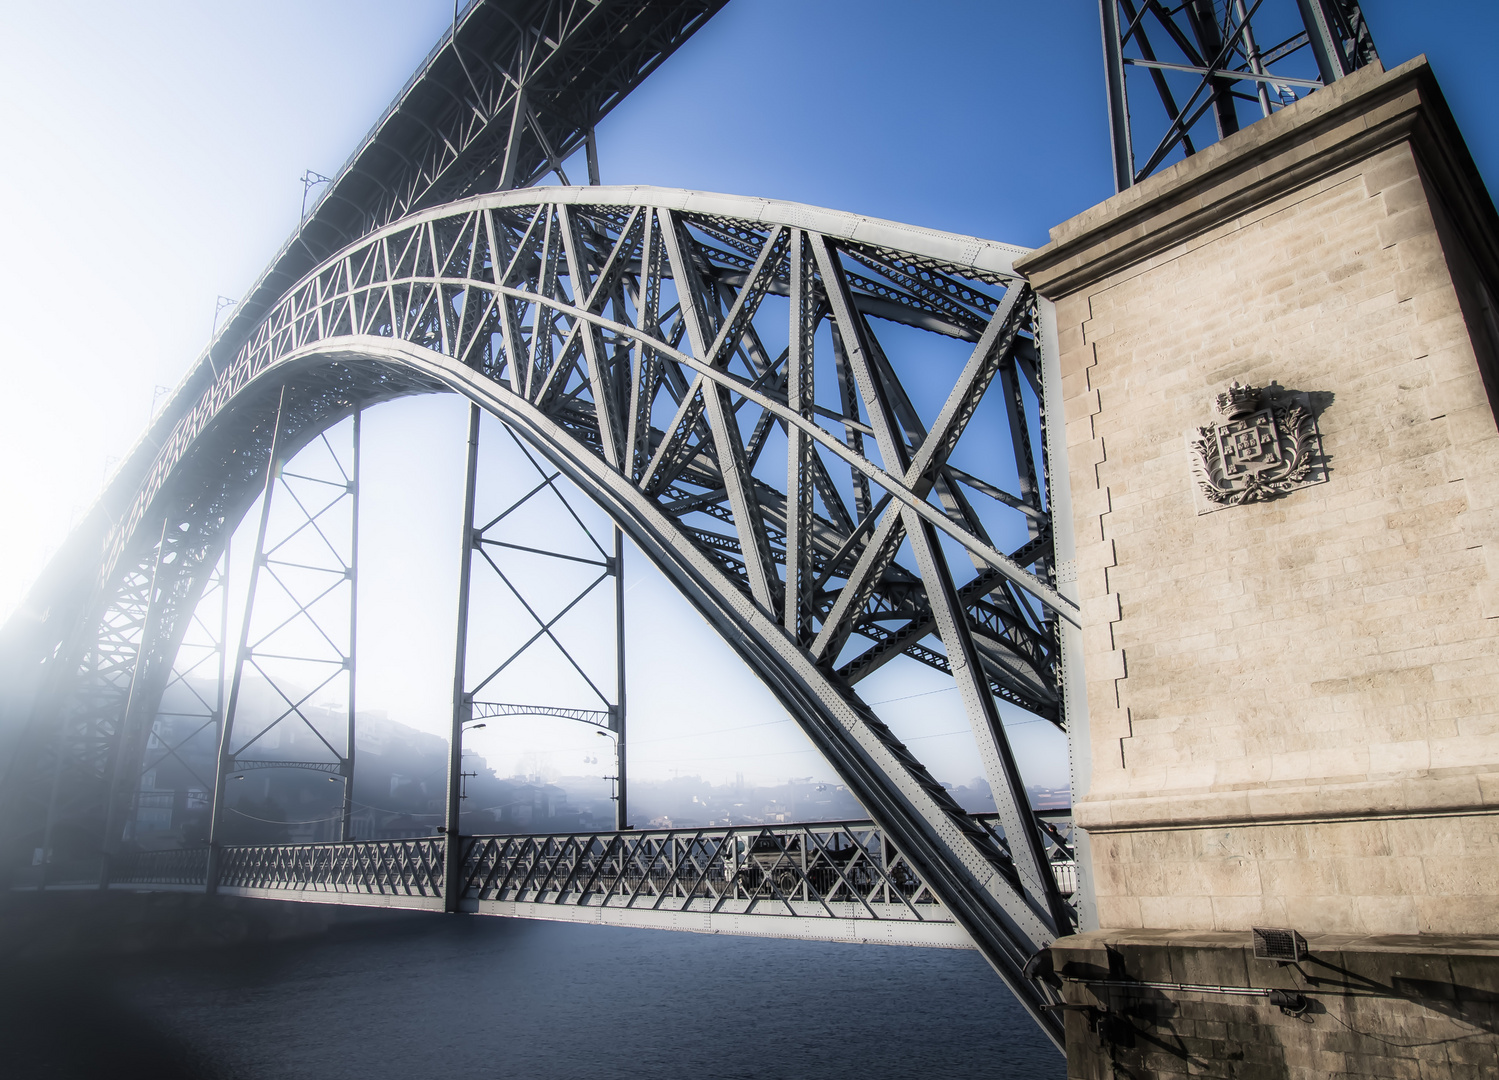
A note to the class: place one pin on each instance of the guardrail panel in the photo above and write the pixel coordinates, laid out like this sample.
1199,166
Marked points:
836,870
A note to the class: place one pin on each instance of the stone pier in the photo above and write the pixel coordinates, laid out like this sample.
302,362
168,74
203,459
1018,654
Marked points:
1280,361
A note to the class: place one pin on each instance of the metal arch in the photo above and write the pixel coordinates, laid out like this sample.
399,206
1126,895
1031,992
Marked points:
444,299
452,297
97,689
602,718
452,124
306,314
332,768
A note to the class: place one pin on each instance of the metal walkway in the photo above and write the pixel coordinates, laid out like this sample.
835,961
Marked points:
828,881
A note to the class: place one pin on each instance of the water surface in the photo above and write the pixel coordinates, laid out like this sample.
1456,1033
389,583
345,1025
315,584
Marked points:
495,998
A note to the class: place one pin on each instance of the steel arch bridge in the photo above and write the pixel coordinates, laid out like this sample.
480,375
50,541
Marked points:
828,431
789,465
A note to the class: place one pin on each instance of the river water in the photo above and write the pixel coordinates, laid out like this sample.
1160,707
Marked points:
496,998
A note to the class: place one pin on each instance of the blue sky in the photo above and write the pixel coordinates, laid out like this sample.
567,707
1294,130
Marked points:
154,150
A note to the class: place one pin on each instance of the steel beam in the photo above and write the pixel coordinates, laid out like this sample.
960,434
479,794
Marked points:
993,883
225,755
621,791
1197,53
347,827
462,700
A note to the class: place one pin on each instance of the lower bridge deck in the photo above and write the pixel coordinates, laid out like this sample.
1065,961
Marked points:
830,881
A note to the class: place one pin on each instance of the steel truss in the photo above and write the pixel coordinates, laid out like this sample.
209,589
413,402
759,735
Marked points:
516,86
303,578
1232,60
829,881
189,717
74,782
484,542
509,93
709,370
58,781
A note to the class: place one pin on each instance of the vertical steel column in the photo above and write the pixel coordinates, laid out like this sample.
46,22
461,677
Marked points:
59,751
1331,62
348,762
1202,17
221,703
800,398
1252,54
621,813
113,816
462,704
593,159
513,141
1113,70
216,818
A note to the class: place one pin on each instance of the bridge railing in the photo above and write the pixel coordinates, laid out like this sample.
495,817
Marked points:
172,866
363,867
843,869
411,867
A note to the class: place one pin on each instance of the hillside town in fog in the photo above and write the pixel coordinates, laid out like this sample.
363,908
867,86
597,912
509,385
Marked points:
400,788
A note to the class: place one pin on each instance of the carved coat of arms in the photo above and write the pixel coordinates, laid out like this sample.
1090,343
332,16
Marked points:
1263,444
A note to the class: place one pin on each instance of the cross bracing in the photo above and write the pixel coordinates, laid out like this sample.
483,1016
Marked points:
505,97
484,548
300,621
569,62
95,686
1216,66
190,711
831,881
827,430
737,382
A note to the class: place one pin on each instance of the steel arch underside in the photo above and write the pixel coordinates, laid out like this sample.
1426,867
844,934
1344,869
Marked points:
545,307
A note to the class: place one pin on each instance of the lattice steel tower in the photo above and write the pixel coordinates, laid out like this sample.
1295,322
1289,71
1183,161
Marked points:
1216,65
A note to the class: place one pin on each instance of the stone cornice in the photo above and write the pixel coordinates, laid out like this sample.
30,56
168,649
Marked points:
1470,792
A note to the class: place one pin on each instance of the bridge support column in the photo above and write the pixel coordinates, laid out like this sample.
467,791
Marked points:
617,567
482,541
130,736
1280,364
225,758
463,703
346,828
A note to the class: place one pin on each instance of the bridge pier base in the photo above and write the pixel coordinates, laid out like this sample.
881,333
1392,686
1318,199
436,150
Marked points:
1280,364
1162,1003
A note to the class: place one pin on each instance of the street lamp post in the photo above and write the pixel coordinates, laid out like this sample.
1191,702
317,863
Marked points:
621,816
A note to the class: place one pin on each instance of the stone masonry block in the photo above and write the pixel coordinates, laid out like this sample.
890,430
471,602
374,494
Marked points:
1318,670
